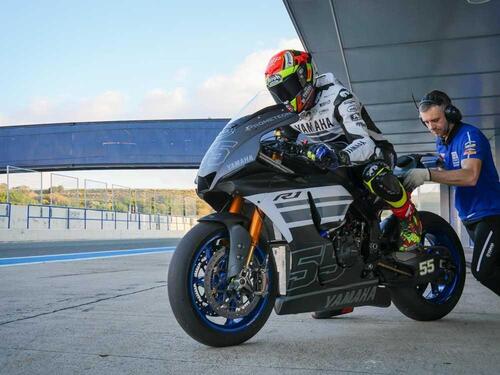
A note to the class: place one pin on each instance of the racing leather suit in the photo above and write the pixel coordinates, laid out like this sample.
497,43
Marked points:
336,116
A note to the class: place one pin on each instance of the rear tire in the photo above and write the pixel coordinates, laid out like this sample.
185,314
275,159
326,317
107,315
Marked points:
418,302
186,292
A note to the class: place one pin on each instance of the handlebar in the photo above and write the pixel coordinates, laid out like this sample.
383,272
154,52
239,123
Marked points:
286,150
282,146
288,153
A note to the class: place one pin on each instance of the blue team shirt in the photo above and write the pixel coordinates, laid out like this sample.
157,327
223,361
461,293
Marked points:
472,202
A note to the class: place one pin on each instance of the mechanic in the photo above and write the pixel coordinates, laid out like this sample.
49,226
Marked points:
328,114
470,169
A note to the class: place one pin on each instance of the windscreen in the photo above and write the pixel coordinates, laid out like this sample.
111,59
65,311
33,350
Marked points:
238,143
262,100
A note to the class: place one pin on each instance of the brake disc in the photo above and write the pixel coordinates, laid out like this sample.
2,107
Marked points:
225,297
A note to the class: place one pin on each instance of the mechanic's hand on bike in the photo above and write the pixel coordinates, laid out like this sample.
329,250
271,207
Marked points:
416,177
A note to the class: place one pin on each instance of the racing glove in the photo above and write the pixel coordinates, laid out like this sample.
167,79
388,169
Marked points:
343,158
323,155
416,177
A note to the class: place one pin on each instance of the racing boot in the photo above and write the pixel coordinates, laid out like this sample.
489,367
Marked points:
410,233
325,314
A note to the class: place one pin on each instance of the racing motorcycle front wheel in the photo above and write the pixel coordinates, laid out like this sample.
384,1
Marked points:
211,308
432,301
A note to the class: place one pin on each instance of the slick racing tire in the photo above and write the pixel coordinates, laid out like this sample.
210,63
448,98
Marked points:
433,301
199,313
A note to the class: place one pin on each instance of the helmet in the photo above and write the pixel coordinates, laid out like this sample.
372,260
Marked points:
289,78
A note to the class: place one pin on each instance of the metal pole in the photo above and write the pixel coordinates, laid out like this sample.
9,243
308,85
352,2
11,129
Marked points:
41,188
8,184
85,193
50,190
107,196
78,192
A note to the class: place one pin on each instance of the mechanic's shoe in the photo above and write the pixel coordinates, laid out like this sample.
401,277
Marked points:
410,232
325,314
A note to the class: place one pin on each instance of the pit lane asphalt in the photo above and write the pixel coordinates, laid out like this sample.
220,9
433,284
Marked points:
25,249
112,316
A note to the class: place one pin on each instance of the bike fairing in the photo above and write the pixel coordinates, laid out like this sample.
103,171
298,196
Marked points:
472,202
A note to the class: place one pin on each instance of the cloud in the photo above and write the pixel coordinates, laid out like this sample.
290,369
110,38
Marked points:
221,95
4,120
293,43
40,107
109,105
159,103
181,74
224,95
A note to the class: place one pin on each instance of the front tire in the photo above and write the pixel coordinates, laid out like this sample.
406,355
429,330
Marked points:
433,301
194,310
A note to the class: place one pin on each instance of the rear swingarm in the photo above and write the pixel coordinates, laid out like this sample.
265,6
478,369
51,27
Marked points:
428,266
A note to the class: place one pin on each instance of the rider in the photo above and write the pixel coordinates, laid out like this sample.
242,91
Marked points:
328,113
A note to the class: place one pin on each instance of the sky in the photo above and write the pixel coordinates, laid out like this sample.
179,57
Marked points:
67,61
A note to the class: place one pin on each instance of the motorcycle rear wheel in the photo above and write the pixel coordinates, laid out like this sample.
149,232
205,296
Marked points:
186,289
433,301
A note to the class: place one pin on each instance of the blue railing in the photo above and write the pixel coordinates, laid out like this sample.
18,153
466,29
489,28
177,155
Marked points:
5,210
52,213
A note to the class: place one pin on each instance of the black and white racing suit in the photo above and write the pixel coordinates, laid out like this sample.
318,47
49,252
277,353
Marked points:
338,116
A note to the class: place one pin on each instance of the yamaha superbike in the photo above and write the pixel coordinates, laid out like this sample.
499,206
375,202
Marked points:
325,227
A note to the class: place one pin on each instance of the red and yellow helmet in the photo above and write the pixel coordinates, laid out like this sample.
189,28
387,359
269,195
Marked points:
289,78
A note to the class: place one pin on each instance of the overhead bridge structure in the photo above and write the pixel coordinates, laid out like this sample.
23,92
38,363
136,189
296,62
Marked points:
115,144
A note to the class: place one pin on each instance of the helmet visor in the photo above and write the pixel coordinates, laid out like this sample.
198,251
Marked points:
288,89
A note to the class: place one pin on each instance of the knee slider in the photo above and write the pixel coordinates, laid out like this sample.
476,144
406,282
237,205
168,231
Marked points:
373,169
388,187
380,180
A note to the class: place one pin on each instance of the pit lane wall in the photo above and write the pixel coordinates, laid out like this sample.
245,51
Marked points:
55,223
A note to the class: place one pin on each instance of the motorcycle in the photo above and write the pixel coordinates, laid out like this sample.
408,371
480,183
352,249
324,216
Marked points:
326,228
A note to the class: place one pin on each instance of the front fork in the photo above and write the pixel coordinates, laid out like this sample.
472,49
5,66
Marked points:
254,229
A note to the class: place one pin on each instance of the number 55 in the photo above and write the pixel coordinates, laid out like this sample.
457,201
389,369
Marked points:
426,267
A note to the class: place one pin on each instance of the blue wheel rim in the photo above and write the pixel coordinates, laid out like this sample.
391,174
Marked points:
440,293
203,309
